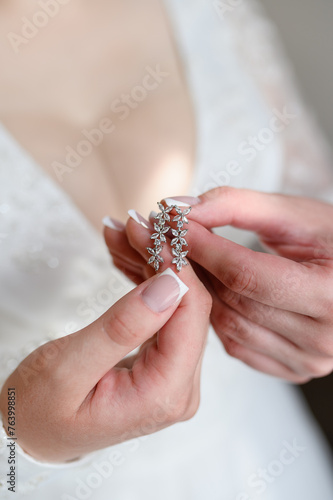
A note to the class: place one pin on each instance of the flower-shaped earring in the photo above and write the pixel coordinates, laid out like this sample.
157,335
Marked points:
178,241
179,237
159,236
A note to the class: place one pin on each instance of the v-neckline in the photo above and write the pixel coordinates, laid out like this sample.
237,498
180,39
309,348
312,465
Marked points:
183,61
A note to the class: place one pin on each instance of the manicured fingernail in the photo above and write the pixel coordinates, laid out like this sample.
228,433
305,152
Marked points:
165,291
182,201
152,214
138,218
113,223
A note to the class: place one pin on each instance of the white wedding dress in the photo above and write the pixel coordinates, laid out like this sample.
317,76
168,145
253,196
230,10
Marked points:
56,277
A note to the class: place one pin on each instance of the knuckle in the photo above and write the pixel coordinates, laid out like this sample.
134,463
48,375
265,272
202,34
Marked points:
236,330
206,301
220,192
232,348
119,329
180,410
300,380
230,297
191,410
321,344
310,369
327,350
202,296
327,370
243,334
218,318
241,280
318,368
185,406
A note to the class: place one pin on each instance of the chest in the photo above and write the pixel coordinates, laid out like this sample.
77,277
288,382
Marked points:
99,99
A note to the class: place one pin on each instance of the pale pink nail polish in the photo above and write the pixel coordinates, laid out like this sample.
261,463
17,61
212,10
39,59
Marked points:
113,223
182,201
165,291
139,219
152,214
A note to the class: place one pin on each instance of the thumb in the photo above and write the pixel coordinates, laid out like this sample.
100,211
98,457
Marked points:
136,317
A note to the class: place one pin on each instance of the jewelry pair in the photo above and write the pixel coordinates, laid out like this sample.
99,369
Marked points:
178,242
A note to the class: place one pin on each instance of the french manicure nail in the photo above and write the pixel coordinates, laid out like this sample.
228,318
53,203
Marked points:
138,218
152,214
113,223
182,201
165,291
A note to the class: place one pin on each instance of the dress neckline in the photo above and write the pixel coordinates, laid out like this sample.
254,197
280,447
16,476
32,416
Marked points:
183,57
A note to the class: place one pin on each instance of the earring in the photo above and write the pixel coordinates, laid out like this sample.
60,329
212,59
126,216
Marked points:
178,242
159,237
179,237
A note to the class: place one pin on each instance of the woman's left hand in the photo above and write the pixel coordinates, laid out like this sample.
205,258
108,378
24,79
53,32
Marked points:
273,312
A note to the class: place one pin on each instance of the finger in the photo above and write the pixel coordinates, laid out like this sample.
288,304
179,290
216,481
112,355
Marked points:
269,343
124,258
226,320
299,329
254,359
260,362
136,317
273,216
133,273
119,246
269,279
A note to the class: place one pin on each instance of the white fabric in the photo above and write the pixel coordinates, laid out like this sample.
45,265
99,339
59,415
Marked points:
56,277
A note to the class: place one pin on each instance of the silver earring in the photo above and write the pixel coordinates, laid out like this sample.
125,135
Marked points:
178,242
159,236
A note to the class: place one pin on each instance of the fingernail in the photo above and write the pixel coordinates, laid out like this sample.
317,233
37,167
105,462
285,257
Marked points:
113,223
138,218
182,201
165,291
152,214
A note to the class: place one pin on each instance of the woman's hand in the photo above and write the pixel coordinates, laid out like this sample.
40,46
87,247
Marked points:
273,312
78,394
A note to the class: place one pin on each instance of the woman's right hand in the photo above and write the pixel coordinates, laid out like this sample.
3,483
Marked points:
77,394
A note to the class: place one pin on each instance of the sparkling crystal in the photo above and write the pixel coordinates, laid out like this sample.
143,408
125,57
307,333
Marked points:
178,242
160,232
155,258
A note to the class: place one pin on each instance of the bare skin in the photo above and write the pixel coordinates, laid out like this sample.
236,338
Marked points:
65,80
273,312
62,81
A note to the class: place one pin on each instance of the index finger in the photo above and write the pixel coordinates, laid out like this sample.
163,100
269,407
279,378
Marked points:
269,279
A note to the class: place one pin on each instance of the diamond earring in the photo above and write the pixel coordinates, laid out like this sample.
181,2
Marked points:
178,242
159,236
